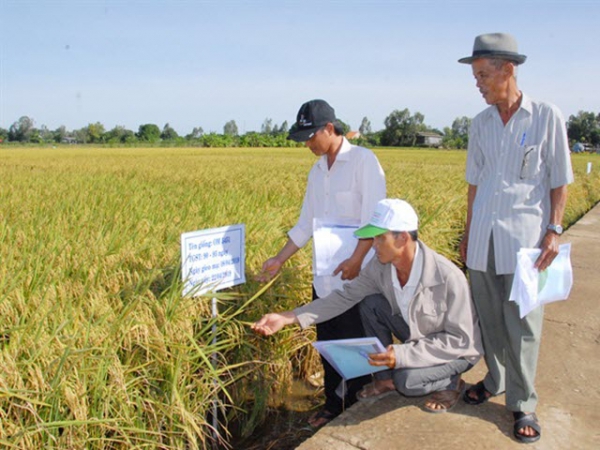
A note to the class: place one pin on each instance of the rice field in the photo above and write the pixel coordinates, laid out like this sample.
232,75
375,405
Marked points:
99,350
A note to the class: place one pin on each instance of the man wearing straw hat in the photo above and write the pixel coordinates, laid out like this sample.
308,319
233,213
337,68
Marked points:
410,292
518,169
344,185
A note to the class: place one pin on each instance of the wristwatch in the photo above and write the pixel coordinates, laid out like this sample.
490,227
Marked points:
556,228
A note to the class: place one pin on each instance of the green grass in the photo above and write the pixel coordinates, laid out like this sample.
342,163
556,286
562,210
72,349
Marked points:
97,347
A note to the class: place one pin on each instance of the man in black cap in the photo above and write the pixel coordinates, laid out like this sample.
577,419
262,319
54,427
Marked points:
518,169
343,188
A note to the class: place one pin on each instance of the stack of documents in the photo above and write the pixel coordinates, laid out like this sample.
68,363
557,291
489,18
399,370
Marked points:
532,288
350,356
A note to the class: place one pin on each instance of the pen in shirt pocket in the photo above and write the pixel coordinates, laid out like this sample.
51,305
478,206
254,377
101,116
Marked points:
523,139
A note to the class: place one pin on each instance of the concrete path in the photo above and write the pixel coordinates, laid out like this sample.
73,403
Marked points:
567,383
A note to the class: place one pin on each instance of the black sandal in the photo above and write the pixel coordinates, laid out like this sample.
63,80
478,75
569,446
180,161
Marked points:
480,391
523,420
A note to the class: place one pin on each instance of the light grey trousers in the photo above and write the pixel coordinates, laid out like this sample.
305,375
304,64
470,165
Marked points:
377,318
511,344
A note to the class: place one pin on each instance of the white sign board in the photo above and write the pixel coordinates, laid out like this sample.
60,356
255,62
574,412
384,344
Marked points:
212,259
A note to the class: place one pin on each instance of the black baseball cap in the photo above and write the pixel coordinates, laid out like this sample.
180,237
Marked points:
312,116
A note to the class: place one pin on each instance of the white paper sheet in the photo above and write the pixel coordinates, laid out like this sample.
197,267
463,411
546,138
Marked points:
532,288
334,243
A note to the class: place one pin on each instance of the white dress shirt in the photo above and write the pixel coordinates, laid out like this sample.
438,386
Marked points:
348,192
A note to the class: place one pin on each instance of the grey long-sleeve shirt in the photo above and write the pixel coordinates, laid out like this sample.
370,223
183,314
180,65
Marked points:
442,319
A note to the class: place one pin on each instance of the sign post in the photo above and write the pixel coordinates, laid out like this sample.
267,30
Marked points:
212,260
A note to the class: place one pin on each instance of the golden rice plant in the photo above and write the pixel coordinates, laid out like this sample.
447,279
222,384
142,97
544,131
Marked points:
98,348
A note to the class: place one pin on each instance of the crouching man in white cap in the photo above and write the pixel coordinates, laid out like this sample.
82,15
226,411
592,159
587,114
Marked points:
411,292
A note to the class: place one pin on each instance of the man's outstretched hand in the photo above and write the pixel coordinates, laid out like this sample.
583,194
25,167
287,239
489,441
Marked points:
271,323
270,268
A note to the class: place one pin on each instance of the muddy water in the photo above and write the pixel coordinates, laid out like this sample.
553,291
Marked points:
287,427
304,393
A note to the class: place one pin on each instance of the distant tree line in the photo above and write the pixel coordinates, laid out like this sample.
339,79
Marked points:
402,129
584,127
24,131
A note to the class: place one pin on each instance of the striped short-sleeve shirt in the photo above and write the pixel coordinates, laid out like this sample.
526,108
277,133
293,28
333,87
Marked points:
514,167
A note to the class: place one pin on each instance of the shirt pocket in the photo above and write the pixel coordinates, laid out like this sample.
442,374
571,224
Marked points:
347,204
531,163
432,315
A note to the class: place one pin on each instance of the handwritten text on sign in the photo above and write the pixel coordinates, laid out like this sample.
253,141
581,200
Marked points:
212,259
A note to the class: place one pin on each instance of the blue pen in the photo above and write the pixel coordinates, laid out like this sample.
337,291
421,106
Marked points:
364,354
523,139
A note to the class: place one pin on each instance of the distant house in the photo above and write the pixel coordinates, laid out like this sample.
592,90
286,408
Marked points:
353,135
429,139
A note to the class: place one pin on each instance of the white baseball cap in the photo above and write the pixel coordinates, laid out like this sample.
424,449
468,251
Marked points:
391,214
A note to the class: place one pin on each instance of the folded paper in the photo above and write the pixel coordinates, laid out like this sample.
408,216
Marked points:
532,288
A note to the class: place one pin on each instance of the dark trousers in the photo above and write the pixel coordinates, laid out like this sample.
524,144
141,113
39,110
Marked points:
345,326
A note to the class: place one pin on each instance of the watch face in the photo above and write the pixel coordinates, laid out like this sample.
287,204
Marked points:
556,228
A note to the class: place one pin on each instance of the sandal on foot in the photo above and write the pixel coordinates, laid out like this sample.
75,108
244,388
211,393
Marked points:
482,394
374,390
321,418
523,420
446,399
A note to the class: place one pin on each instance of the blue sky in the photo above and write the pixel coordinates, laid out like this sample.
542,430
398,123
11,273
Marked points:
202,63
